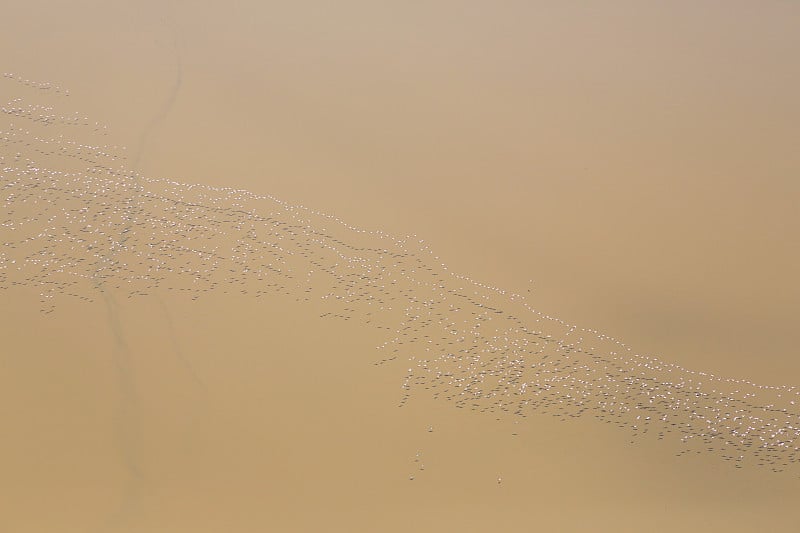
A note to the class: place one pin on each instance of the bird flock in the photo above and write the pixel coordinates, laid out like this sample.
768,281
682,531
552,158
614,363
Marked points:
76,221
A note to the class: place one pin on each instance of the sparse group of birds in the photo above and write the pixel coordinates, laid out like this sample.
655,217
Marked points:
75,221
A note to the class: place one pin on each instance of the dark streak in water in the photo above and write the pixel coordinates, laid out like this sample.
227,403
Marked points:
129,427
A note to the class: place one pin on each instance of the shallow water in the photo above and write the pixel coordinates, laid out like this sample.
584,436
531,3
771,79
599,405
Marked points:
192,352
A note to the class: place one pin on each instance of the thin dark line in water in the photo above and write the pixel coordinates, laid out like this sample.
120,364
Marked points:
129,427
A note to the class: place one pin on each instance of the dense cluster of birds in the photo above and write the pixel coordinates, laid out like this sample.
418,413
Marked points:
75,221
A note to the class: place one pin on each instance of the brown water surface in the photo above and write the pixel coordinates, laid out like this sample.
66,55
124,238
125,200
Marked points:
184,347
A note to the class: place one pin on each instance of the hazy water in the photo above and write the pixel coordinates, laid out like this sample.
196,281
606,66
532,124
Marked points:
224,347
81,224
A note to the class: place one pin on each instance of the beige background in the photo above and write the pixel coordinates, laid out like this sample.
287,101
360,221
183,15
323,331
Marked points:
637,161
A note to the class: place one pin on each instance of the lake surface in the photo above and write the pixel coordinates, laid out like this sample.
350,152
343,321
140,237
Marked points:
273,267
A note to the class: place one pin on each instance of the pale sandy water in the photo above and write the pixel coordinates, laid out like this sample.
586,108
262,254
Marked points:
636,164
